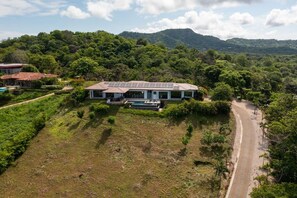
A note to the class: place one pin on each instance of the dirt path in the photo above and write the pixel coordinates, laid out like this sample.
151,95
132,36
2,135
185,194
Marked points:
27,101
249,145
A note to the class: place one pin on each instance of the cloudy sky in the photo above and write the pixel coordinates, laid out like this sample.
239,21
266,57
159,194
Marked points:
221,18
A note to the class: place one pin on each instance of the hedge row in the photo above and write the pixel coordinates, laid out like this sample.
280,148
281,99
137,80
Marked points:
197,107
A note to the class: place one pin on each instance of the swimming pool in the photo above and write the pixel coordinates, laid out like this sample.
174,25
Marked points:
3,89
154,105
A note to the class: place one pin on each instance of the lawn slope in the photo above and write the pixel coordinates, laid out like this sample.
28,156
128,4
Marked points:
138,156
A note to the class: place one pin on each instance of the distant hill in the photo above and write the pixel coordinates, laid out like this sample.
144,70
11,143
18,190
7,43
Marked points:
263,43
173,37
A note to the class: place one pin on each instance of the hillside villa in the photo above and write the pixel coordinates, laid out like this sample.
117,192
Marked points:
24,79
142,90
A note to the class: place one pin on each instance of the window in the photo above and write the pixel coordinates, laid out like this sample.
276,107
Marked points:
97,94
188,94
175,94
163,95
109,95
134,94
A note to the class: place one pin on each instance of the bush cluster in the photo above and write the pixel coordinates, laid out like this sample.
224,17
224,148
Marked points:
20,124
111,119
101,109
197,107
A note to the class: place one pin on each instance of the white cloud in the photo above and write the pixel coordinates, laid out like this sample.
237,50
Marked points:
23,7
205,22
156,7
105,8
242,18
278,17
75,13
16,7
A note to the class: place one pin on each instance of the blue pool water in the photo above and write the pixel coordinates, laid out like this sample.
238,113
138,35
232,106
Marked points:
3,89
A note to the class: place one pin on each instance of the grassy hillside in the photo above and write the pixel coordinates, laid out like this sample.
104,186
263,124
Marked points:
20,124
138,156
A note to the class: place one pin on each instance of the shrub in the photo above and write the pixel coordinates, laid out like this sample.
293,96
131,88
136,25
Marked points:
78,95
223,107
91,115
111,120
39,122
176,111
190,130
185,140
80,113
101,109
222,91
5,96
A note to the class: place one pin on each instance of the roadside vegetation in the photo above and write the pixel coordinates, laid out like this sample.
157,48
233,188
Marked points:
20,124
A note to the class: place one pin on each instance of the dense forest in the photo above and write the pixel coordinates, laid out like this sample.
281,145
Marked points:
270,81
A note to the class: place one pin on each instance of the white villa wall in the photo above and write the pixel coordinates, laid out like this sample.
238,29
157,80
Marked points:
154,96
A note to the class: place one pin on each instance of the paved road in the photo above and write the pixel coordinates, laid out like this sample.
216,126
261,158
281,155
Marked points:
248,147
27,101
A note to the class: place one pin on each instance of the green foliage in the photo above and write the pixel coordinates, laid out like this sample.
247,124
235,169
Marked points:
39,121
111,119
80,113
101,109
92,115
174,37
5,96
282,135
20,124
78,95
197,107
29,68
285,190
17,56
222,91
185,140
83,66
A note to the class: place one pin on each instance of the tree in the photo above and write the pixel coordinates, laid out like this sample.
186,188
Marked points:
222,91
17,56
78,95
29,68
275,190
242,60
44,63
83,66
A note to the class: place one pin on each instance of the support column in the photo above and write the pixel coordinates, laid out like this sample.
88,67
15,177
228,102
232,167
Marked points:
182,94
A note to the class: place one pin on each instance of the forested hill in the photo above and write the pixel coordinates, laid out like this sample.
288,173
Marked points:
173,37
263,43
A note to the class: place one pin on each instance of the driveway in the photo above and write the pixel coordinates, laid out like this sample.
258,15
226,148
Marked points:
249,145
27,101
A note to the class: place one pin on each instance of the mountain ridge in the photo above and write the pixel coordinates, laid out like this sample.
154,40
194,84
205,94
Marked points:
173,37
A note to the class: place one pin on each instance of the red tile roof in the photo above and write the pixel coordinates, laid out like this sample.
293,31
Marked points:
27,76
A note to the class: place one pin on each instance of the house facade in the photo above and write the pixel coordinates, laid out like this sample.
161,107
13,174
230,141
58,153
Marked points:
142,90
24,79
11,68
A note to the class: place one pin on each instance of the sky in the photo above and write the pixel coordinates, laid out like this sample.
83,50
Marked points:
252,19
